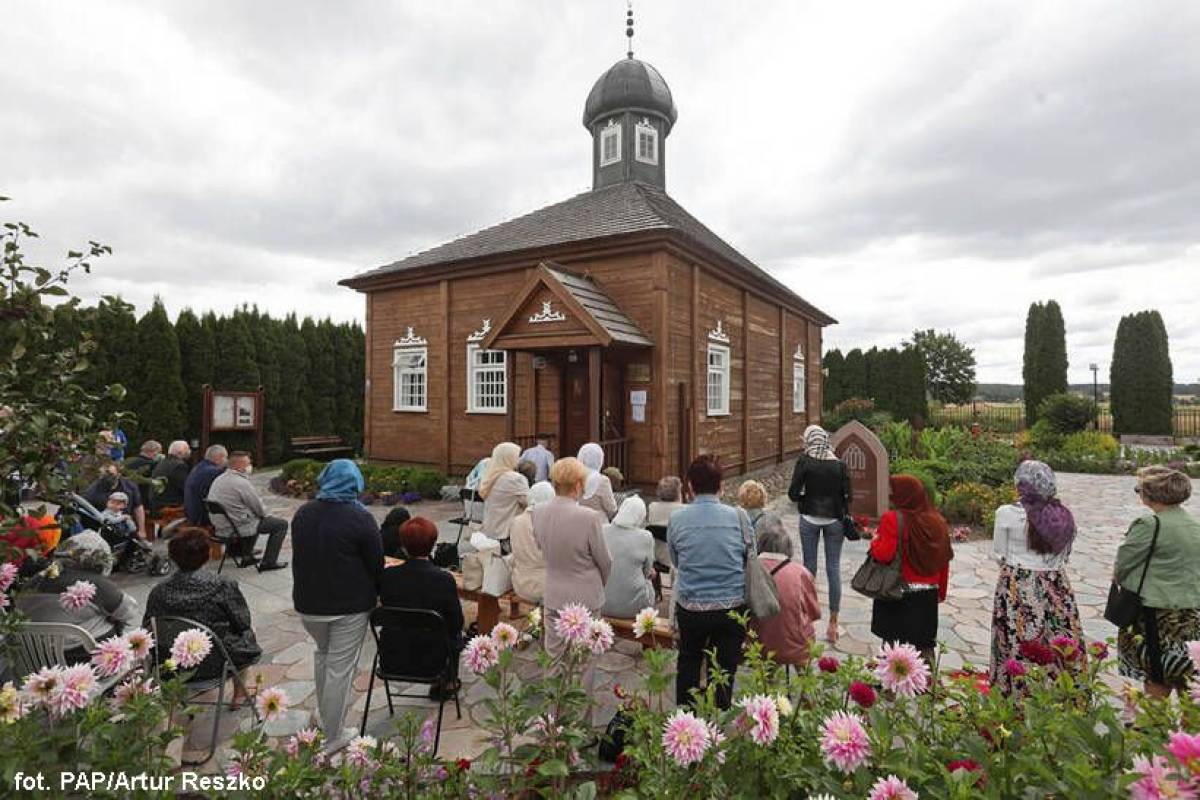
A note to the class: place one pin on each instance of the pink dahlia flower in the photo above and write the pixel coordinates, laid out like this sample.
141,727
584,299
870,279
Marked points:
74,691
505,635
844,742
1186,749
112,656
1155,782
8,575
891,788
573,624
599,637
190,648
761,716
77,595
685,738
271,704
140,642
1194,652
481,654
132,688
644,622
1014,668
902,670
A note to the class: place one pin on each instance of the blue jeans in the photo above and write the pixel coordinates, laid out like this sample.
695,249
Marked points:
810,537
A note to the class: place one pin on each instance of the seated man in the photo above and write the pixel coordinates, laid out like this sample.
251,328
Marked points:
541,457
210,599
111,481
199,481
143,463
173,473
232,489
419,583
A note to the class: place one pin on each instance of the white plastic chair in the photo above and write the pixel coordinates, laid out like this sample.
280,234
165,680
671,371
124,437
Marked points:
44,644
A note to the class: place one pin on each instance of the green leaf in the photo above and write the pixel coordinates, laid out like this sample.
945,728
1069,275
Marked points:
556,768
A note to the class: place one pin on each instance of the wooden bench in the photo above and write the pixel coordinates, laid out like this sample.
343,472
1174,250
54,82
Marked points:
660,636
320,447
489,605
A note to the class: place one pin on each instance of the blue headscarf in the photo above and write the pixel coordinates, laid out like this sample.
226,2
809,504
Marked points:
341,481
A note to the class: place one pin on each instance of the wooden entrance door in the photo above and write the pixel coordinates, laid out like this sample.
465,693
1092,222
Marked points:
575,416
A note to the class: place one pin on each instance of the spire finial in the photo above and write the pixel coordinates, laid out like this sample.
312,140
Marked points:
629,26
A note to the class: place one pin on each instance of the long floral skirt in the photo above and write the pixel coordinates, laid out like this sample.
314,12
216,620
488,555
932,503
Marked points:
1029,605
1154,647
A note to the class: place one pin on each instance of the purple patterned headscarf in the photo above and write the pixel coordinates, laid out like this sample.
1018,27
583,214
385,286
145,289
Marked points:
1038,492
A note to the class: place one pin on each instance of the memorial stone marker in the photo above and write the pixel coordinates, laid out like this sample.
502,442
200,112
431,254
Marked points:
867,459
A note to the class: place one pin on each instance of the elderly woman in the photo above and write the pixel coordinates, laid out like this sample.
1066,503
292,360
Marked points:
922,536
1032,541
206,597
709,544
528,563
670,500
628,589
577,560
505,492
821,490
1160,560
419,583
597,488
83,557
337,561
787,635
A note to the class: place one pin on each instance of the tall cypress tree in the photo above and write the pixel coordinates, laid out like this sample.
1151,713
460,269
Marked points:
294,372
156,394
1031,368
358,376
833,391
912,385
267,347
1045,368
198,360
114,330
1141,376
237,368
320,386
855,374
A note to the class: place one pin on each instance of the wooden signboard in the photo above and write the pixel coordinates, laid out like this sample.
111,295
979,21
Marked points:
867,459
233,411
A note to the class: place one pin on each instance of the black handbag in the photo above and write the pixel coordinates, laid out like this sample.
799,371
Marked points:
850,529
445,555
1124,606
882,581
612,743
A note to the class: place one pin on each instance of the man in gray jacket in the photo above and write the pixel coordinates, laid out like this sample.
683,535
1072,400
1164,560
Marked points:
233,490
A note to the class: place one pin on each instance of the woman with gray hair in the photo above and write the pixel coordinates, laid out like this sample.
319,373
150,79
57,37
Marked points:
658,514
1160,560
788,635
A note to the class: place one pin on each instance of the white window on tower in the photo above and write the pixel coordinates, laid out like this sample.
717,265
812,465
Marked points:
799,383
409,384
718,380
610,144
647,142
487,381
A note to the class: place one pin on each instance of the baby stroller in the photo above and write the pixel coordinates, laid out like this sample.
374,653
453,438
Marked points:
130,554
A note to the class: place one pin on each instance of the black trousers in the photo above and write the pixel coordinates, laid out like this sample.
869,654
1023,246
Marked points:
275,529
700,631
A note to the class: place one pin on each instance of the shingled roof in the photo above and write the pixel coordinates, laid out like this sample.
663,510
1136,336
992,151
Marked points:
608,314
620,209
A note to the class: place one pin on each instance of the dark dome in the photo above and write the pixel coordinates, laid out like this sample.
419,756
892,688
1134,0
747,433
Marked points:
629,84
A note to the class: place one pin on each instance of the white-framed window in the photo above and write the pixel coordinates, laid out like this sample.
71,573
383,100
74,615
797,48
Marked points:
799,383
647,143
487,381
718,380
610,144
410,387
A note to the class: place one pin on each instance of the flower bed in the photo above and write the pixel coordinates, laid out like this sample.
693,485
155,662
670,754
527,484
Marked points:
386,484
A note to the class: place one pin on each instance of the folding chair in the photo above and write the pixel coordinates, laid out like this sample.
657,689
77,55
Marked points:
165,628
470,499
659,532
215,509
435,648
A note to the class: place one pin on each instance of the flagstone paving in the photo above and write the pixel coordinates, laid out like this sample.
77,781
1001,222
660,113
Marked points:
1103,507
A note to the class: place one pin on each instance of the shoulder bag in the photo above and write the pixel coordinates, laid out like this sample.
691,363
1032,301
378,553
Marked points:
882,581
762,595
1124,606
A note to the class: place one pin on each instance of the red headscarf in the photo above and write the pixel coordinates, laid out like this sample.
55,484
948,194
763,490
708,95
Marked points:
926,534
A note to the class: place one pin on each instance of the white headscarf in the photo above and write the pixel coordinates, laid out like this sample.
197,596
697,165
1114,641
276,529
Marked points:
504,459
816,443
591,455
631,514
541,492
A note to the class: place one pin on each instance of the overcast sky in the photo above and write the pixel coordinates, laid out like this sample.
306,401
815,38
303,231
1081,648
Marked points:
900,165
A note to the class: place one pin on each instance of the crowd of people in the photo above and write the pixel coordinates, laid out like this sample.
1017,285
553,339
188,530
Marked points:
570,537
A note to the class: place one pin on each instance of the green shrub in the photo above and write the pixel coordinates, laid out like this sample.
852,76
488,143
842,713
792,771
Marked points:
1067,413
1091,445
922,471
856,408
967,502
428,482
897,439
303,471
396,479
1042,437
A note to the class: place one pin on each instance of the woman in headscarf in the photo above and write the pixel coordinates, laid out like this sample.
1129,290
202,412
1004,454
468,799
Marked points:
597,489
505,493
924,566
629,589
1032,541
821,490
528,563
337,561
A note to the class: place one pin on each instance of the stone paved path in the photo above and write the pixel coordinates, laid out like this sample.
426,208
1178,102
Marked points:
1103,506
